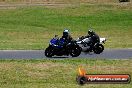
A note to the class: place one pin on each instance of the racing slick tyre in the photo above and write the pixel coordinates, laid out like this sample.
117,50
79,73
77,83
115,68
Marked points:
98,49
49,52
76,51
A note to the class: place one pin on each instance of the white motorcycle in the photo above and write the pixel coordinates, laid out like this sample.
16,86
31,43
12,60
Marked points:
96,48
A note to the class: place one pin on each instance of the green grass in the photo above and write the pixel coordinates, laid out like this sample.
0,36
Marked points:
33,27
60,1
59,73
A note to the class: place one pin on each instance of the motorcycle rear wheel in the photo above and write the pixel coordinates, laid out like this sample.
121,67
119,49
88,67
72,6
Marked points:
98,49
75,51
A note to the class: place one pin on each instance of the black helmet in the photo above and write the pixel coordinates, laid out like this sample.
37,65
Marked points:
90,32
65,32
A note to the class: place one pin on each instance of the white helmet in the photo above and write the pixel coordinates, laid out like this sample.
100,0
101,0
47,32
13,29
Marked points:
65,32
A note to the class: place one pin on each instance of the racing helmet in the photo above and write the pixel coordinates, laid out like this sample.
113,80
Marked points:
65,32
90,32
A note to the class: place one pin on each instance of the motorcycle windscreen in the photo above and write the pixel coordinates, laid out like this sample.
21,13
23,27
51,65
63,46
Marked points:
53,41
57,43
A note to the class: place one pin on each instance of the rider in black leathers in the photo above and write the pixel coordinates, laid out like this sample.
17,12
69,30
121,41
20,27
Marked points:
66,36
67,39
93,38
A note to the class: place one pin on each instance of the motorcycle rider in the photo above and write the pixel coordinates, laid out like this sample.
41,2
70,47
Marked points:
66,36
93,38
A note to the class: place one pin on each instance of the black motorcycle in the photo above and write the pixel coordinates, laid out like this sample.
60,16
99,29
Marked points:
59,48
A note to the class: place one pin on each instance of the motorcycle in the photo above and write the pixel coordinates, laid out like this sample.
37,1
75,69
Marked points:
96,48
59,48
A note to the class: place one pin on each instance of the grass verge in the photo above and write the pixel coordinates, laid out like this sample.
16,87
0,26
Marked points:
59,73
33,27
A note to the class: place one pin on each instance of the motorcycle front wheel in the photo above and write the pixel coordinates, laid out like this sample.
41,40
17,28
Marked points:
49,52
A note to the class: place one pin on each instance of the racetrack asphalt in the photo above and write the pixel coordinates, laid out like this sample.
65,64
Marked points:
39,54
